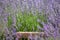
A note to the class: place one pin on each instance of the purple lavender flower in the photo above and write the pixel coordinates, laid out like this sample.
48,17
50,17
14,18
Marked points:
49,30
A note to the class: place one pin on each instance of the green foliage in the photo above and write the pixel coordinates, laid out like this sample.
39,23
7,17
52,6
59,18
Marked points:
2,37
9,21
27,21
42,17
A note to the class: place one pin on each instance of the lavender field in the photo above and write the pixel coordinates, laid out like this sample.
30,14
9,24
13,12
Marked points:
30,16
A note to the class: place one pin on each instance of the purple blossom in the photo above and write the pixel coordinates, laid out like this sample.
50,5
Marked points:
50,30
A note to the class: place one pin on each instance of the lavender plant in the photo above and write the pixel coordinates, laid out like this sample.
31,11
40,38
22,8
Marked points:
50,25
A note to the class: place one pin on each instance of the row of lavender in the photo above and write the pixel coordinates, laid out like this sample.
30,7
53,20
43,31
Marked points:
51,8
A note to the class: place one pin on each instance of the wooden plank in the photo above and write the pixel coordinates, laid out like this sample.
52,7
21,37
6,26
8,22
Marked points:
26,34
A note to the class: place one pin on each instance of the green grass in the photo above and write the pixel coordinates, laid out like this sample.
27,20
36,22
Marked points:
27,21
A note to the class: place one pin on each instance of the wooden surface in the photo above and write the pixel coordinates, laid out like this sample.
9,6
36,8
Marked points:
26,34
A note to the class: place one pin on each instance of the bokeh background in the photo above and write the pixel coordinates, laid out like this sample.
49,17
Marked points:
30,16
